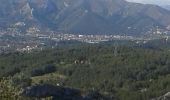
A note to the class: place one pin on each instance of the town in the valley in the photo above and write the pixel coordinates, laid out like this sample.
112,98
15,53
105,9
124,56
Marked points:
36,40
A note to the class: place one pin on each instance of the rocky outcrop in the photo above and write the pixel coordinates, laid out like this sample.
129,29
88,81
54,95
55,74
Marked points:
164,97
60,93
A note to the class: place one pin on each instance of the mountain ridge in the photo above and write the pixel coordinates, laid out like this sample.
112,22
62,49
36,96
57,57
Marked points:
84,16
166,7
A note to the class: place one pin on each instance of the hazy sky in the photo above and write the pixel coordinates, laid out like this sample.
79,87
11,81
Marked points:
159,2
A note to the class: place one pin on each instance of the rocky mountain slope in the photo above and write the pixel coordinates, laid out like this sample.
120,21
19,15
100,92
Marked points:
83,16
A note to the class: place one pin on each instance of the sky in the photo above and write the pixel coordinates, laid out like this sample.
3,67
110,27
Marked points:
158,2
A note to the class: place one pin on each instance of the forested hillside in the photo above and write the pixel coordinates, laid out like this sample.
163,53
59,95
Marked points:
117,72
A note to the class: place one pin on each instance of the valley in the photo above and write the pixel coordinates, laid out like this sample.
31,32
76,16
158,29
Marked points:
84,50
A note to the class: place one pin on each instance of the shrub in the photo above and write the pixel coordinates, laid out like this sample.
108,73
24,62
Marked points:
43,70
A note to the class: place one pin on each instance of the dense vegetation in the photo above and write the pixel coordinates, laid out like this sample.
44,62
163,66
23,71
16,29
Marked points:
133,73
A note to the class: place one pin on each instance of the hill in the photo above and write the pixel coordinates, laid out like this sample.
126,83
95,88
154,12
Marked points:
133,74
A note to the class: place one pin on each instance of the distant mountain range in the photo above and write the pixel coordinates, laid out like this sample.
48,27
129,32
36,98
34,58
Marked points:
83,16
